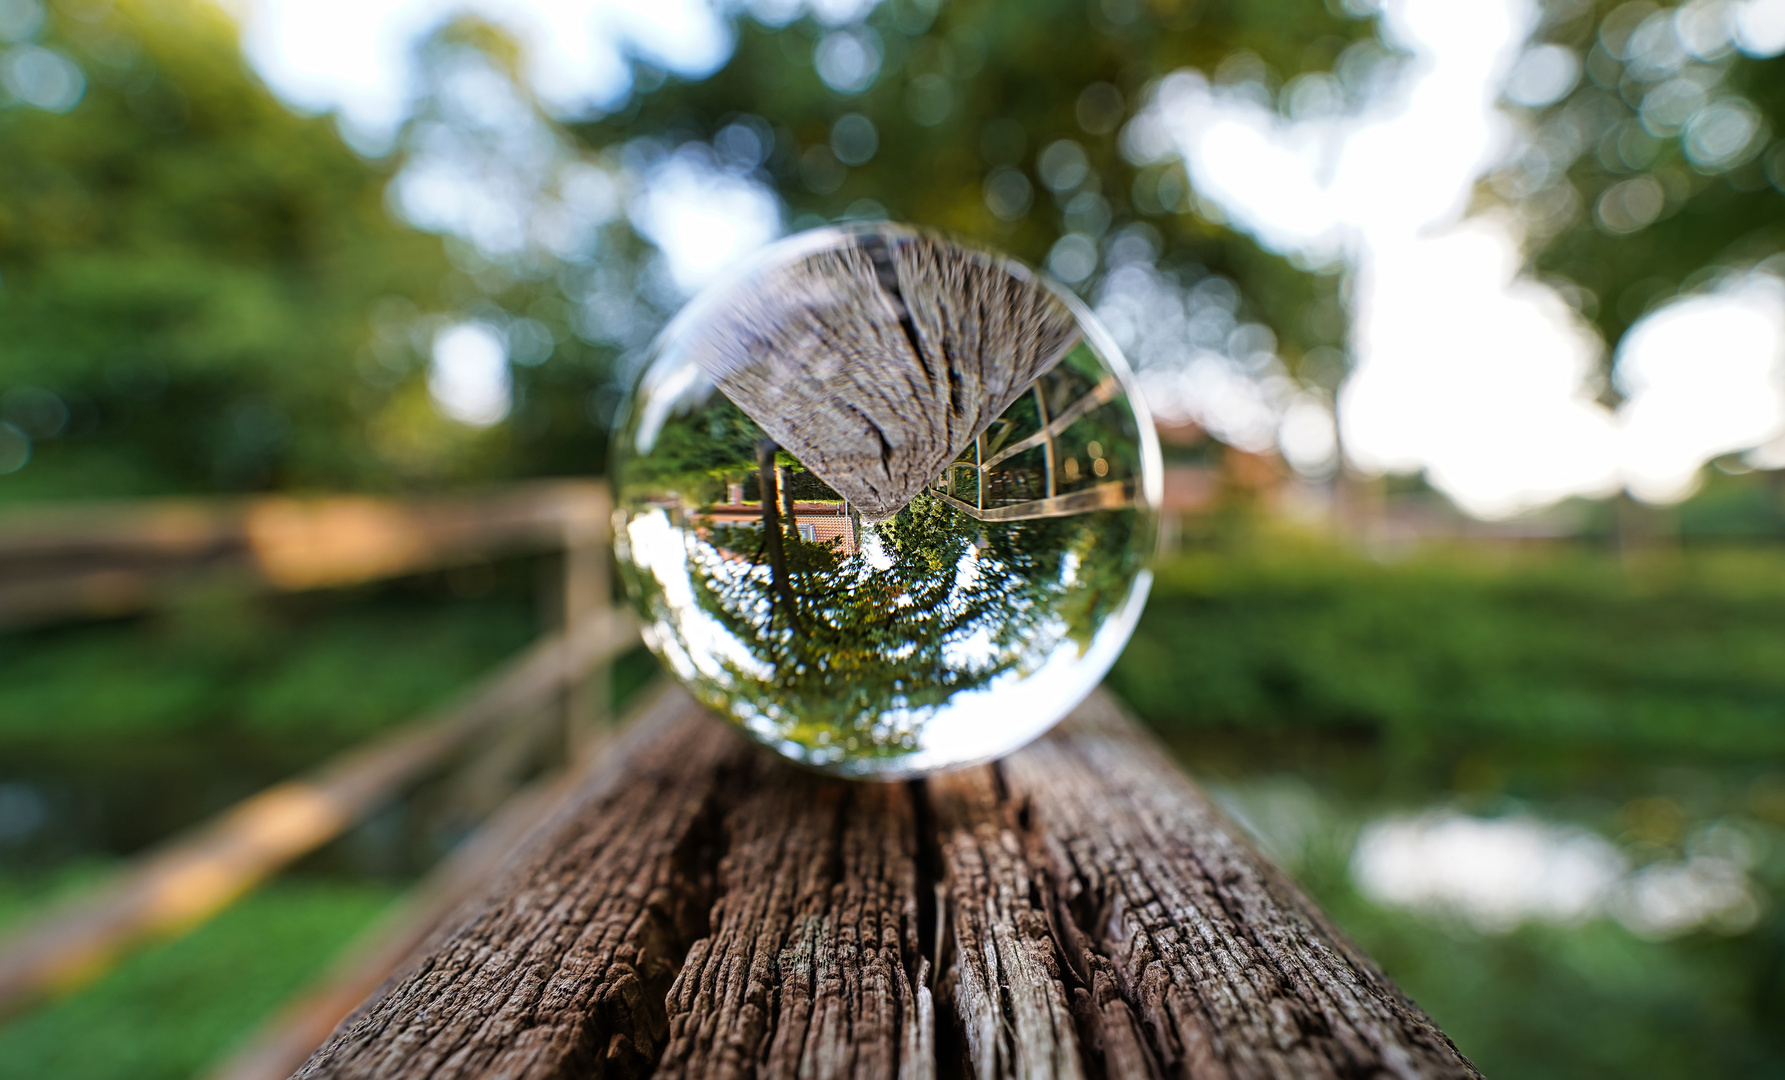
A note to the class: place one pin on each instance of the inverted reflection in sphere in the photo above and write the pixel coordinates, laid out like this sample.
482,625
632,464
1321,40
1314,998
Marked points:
886,502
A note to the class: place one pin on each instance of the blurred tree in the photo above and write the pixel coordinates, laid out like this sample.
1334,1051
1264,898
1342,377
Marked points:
852,652
203,291
1652,163
1005,123
199,289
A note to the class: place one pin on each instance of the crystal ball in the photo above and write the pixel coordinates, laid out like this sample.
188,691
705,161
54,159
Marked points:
886,501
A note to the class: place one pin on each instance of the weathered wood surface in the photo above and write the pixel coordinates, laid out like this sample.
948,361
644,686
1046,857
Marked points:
700,908
1090,868
810,965
876,362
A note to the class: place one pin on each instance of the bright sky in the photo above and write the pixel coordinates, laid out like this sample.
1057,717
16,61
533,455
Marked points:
1462,368
354,55
469,377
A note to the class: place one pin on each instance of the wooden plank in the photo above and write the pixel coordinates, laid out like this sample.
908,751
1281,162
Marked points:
702,908
99,560
198,873
1005,981
1187,951
811,966
565,967
878,361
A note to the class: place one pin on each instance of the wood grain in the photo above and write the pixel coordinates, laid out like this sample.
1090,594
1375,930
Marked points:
811,967
702,908
876,362
1174,926
1006,983
563,967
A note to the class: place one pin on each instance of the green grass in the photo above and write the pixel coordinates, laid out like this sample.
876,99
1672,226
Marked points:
176,1008
1563,649
1554,682
310,670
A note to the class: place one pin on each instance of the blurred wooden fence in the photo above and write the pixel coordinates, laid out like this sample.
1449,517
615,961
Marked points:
105,560
679,902
101,560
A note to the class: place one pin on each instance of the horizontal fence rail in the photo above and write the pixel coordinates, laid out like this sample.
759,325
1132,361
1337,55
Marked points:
101,560
198,873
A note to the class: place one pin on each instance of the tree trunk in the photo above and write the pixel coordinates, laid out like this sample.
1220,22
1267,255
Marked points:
702,908
773,541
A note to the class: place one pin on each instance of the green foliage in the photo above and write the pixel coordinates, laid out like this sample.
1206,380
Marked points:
1696,214
194,269
971,91
216,290
1569,650
1736,503
174,1009
226,671
696,459
836,643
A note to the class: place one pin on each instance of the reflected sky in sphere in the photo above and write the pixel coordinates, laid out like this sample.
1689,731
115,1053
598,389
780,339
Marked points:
886,502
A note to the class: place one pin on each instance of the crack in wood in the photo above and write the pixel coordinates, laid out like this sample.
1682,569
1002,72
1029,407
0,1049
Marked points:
814,936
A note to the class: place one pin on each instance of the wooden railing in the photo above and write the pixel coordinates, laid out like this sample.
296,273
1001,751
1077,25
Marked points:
192,877
682,903
287,544
698,907
104,559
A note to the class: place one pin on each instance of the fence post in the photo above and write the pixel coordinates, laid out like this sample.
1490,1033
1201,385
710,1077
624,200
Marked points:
588,587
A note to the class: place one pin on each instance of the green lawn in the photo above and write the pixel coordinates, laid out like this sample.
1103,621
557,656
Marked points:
178,1007
1555,649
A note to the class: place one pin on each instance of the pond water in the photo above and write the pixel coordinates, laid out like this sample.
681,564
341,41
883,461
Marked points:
1557,916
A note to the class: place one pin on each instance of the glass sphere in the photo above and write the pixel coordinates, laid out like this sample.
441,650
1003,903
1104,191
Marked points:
886,501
